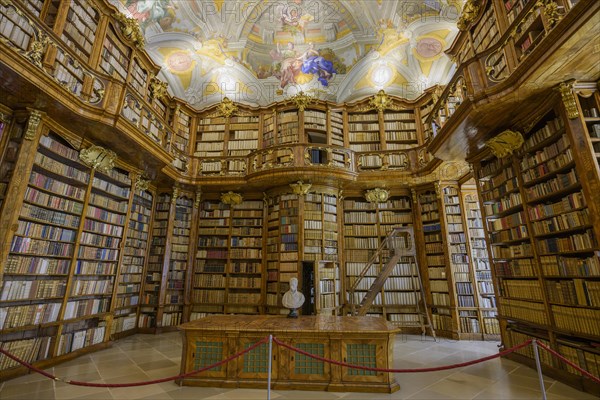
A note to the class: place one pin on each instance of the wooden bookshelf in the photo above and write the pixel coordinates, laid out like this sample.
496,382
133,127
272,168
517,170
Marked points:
364,131
400,129
288,127
209,283
365,226
544,250
172,314
210,137
154,276
479,261
115,57
131,277
327,287
436,266
80,29
589,106
243,135
11,137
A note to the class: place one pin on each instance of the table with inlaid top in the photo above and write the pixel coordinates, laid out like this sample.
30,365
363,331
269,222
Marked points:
366,341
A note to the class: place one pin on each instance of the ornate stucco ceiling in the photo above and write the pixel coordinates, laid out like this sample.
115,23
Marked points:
258,52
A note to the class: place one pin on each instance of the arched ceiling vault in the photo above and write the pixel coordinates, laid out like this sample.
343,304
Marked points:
261,51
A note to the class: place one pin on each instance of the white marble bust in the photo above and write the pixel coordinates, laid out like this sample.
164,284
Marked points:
293,299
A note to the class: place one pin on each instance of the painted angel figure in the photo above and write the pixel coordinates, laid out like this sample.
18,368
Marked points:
314,63
294,21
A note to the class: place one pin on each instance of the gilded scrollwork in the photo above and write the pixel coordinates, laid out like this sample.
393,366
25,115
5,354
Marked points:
300,188
566,93
469,14
380,101
175,195
377,195
141,184
37,49
130,28
99,158
32,124
158,88
301,100
231,198
227,107
505,143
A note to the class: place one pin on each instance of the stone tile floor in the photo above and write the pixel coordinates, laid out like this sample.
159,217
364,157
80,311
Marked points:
146,357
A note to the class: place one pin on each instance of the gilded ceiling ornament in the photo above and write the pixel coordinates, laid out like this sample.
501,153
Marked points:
469,13
32,124
99,158
141,184
300,188
158,88
566,92
380,101
227,108
231,198
130,28
301,100
505,143
377,195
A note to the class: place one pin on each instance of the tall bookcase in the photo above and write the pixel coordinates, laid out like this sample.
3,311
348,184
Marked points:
154,278
544,249
479,261
131,278
58,282
366,225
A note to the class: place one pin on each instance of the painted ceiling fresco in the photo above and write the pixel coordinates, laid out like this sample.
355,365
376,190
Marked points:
258,52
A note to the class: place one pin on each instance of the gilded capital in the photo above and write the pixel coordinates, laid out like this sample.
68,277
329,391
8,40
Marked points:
198,199
141,184
32,124
175,195
568,98
505,143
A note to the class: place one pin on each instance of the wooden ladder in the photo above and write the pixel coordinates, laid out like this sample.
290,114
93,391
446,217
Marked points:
399,243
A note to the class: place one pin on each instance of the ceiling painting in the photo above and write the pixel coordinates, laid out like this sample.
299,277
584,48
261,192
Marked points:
262,51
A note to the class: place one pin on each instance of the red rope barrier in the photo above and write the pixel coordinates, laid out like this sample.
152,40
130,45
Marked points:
569,362
116,385
399,371
29,366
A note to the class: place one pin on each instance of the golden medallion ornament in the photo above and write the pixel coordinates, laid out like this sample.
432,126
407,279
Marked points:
505,143
377,195
227,107
231,198
99,158
300,188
